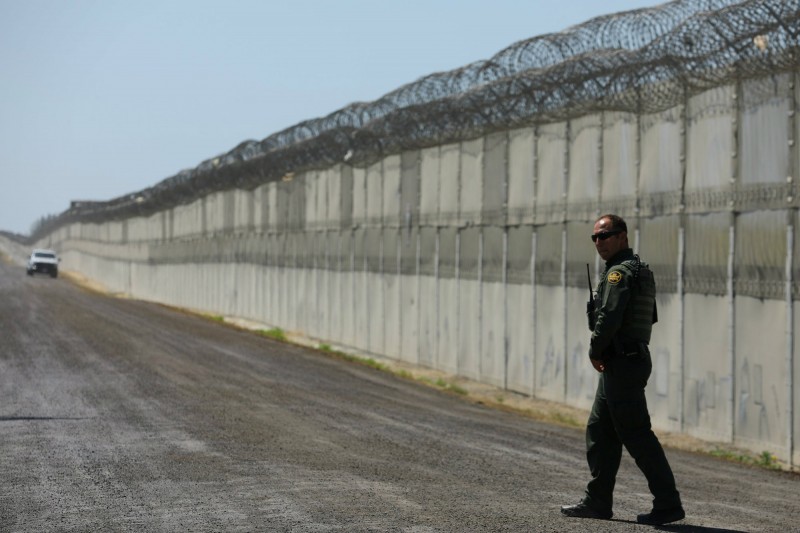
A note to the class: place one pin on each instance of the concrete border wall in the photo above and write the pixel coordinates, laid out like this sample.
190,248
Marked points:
470,257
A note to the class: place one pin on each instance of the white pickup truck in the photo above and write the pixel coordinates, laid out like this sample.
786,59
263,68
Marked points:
43,262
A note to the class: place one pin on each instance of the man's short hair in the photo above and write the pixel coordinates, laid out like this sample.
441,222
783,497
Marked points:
617,223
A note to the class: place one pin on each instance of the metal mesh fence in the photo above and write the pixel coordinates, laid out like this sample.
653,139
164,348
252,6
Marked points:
642,61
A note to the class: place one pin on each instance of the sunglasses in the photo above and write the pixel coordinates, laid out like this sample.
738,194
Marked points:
603,235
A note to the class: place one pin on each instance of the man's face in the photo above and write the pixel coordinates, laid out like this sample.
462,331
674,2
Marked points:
609,246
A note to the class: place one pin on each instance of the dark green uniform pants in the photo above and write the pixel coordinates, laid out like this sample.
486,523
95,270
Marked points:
620,417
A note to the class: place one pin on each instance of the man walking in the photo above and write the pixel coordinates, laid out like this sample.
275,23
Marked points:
621,318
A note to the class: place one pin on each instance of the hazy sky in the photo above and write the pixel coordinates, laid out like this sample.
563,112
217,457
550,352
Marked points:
99,98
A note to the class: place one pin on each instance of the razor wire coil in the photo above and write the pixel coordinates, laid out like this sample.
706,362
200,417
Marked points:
642,61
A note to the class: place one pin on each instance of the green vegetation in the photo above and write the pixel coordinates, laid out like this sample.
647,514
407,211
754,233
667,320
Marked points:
274,333
566,420
439,383
768,460
366,361
764,460
216,318
401,373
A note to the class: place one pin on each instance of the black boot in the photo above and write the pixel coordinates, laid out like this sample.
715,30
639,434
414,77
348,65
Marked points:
581,510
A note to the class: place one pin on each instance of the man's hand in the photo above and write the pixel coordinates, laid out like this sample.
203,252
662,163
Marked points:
598,365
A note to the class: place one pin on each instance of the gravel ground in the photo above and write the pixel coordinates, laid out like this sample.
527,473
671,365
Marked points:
120,415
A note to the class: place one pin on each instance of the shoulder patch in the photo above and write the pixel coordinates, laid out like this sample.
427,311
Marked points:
614,277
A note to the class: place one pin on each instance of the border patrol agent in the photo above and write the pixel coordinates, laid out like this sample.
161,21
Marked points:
621,318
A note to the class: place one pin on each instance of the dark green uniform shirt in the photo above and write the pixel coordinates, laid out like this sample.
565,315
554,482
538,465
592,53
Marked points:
625,305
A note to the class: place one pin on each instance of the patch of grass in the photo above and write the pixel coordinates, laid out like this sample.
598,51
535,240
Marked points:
439,383
274,333
401,373
452,387
374,364
216,318
765,460
768,460
567,420
366,361
552,417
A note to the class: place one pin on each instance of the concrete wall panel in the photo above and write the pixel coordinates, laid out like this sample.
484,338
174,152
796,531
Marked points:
348,286
520,338
311,210
391,291
581,377
620,163
333,180
661,141
261,208
549,341
243,210
428,271
495,178
323,199
707,253
760,259
492,316
521,175
346,197
335,275
409,318
662,156
337,309
272,206
359,205
709,146
583,182
317,303
428,320
765,117
214,213
663,392
361,293
391,210
430,181
375,184
470,192
659,246
447,320
707,393
376,311
493,335
392,318
551,182
469,330
410,168
760,379
449,184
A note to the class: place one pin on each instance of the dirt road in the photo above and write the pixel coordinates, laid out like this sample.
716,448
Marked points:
120,415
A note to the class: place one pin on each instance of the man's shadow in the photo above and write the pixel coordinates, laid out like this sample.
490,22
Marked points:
685,528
